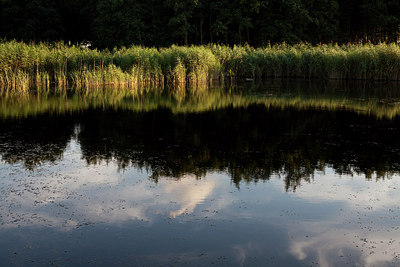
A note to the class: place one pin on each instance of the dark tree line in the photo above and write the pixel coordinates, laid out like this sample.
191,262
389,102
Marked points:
110,23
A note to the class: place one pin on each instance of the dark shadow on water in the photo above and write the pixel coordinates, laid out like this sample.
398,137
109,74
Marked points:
251,131
250,143
34,141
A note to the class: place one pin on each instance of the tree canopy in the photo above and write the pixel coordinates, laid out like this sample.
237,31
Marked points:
110,23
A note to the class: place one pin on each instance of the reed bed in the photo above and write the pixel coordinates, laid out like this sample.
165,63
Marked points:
23,66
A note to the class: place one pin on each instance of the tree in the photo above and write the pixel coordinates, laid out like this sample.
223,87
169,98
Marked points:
182,12
324,23
110,23
118,23
76,18
30,20
381,20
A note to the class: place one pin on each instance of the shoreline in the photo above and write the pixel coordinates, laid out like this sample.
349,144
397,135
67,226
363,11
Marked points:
23,66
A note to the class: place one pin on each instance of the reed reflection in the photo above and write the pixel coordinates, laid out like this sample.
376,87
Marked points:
379,100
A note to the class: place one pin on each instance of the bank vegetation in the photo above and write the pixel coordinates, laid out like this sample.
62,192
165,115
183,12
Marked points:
43,65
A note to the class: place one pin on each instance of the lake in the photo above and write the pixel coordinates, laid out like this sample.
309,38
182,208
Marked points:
280,173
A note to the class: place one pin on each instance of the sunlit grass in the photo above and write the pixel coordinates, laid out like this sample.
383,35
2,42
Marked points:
24,66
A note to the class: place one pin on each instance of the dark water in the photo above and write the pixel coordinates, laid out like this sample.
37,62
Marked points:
225,177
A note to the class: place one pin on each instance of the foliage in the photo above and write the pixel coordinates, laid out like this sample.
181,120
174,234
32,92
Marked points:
116,23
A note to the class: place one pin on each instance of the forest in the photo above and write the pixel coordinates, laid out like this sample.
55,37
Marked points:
161,23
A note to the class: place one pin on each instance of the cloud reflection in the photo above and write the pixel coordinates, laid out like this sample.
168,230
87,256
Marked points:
187,194
70,194
360,229
364,231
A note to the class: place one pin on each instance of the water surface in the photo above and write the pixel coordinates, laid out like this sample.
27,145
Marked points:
277,174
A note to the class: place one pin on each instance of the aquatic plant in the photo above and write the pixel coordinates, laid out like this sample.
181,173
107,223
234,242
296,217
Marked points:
44,65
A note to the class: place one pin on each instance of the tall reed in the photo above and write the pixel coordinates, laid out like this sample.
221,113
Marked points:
44,65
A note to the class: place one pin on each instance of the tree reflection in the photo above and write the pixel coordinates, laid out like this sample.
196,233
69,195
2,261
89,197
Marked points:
249,140
35,140
251,144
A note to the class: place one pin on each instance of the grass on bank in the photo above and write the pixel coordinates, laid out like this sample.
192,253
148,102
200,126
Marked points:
44,65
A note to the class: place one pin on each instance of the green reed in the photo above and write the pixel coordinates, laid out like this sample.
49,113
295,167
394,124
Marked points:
23,66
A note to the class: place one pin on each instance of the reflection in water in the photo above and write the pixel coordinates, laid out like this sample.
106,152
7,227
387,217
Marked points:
364,230
250,144
187,195
379,100
35,141
230,181
333,220
77,195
